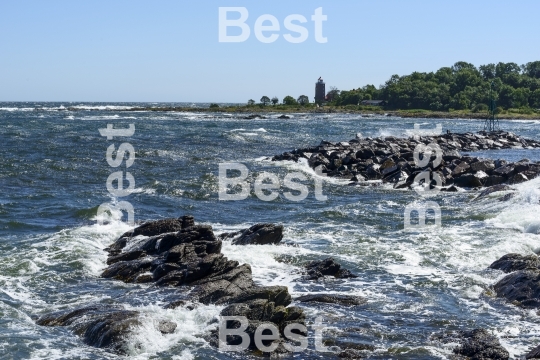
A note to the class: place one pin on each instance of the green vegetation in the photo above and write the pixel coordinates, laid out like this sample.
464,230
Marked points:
214,106
303,100
265,100
460,87
289,100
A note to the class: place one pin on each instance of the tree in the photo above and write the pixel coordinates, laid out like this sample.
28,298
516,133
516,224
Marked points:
532,69
303,100
333,94
275,100
251,102
289,100
265,100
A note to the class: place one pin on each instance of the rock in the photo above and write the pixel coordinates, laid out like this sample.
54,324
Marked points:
521,288
513,262
166,327
518,179
493,189
103,326
351,354
185,254
318,269
259,234
284,117
534,353
494,180
504,171
475,344
462,168
347,300
483,165
450,189
468,181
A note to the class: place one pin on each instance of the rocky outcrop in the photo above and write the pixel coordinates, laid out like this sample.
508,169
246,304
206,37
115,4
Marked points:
514,262
391,159
103,326
475,344
259,234
175,253
520,288
327,267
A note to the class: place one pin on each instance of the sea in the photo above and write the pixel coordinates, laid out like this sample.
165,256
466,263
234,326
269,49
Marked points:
53,179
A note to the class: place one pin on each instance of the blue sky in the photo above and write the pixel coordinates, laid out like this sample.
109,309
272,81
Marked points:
169,51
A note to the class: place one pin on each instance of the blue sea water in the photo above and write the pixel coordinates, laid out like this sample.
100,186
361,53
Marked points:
53,173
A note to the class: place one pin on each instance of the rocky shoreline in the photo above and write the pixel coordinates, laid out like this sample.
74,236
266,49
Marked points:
391,160
181,254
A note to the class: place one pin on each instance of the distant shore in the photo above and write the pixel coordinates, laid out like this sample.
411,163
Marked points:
345,110
261,111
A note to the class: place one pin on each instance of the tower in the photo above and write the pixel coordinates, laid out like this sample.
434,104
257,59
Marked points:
320,91
491,123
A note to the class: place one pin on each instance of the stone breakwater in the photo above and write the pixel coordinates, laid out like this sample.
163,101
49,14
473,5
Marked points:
391,159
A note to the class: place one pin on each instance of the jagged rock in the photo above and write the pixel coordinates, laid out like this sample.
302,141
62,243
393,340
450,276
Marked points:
475,344
518,178
104,326
483,165
166,327
493,189
184,254
259,234
332,299
468,181
318,269
494,180
521,288
534,353
513,262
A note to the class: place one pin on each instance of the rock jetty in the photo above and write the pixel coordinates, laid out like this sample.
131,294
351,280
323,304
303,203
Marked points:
391,159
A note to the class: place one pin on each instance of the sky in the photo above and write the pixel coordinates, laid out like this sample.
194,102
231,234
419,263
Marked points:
169,51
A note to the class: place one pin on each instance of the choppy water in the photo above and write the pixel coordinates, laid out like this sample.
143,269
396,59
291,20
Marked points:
52,179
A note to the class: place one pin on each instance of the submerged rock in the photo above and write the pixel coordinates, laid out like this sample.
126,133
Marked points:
347,300
103,326
166,327
319,268
475,344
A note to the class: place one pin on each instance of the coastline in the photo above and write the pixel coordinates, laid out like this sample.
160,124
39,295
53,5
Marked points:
421,114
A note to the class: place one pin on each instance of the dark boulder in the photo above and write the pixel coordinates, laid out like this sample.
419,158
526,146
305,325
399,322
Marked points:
514,262
475,344
103,326
493,189
521,288
468,181
346,300
329,267
259,234
166,327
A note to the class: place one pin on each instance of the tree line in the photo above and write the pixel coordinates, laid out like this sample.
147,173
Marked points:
460,87
287,100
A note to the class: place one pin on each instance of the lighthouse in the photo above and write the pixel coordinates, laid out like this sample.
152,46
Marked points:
320,91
